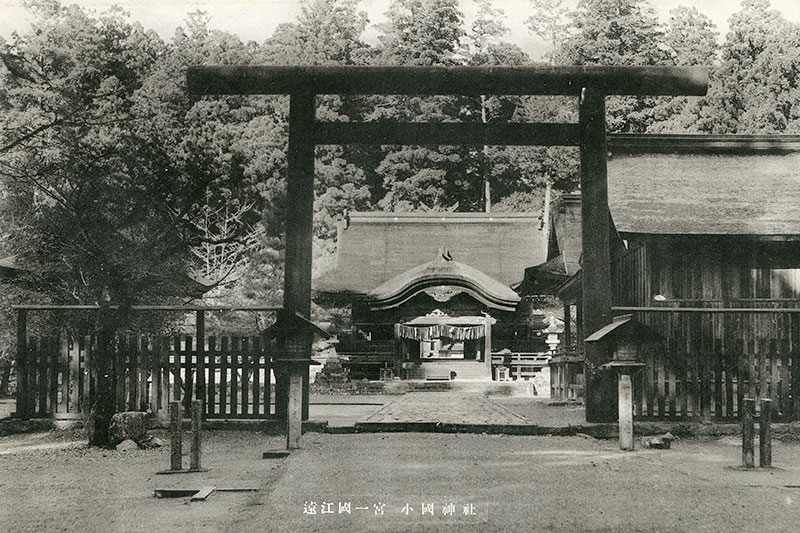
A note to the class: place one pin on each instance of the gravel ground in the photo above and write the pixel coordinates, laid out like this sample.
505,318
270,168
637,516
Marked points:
540,413
53,482
525,484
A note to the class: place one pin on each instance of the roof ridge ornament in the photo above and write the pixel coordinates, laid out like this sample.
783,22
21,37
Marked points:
444,254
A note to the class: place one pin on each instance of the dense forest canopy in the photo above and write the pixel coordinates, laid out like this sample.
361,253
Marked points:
117,185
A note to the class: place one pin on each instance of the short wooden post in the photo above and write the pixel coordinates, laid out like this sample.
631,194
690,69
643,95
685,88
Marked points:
765,434
197,421
748,406
200,363
294,422
625,402
175,444
22,364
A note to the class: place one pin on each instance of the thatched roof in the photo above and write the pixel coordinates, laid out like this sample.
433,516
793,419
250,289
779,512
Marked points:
705,194
375,247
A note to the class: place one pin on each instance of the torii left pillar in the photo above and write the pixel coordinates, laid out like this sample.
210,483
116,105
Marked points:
297,266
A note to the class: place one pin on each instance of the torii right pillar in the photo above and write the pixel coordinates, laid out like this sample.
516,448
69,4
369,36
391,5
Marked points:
600,386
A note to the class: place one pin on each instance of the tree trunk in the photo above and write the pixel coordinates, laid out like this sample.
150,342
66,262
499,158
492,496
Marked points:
5,377
104,372
103,404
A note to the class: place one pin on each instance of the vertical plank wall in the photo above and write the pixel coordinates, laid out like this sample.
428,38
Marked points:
149,372
707,361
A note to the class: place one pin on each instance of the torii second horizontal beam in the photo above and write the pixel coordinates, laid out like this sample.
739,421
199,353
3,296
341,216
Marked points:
468,81
453,133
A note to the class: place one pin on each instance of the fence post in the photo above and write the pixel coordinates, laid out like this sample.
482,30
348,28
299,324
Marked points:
765,434
747,432
175,444
22,364
197,420
200,373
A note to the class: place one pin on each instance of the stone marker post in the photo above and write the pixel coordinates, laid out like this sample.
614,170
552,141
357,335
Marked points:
765,434
625,402
748,406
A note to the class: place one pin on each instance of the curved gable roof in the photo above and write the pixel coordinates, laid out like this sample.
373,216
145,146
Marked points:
442,272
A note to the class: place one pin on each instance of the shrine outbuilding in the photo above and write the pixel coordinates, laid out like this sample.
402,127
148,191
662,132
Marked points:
705,252
431,293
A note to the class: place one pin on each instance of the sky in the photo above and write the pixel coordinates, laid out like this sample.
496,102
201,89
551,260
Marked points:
257,19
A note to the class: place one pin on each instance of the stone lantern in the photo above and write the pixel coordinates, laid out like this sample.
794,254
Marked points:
624,338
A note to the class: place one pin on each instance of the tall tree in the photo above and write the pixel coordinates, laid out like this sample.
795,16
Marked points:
691,38
617,32
329,32
112,164
485,47
753,87
549,22
92,223
759,71
423,32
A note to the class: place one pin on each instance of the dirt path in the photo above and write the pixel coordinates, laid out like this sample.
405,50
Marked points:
50,482
524,484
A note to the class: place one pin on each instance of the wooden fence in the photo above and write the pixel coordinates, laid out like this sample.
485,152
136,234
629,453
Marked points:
710,359
566,376
232,374
521,365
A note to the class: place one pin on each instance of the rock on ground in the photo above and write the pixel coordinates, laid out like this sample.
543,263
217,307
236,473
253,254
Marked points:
128,425
127,445
151,442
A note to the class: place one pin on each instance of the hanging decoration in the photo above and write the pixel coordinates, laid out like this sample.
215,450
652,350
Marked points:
436,331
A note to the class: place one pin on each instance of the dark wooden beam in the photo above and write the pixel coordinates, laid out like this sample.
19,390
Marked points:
635,143
38,307
299,232
600,391
468,81
455,133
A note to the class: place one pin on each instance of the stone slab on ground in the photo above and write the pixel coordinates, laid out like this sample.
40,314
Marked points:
446,408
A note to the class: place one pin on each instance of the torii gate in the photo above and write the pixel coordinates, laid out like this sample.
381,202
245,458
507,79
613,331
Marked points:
590,84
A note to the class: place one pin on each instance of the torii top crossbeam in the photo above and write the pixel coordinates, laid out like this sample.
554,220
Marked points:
468,81
591,83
